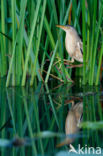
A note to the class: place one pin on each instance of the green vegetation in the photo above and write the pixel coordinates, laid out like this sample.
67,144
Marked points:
31,45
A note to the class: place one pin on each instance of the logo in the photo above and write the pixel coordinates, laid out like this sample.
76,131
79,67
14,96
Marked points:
85,150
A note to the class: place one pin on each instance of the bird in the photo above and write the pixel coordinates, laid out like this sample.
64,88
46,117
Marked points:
73,43
73,120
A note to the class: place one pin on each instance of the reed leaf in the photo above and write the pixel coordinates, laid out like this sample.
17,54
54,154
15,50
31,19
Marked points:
3,40
30,42
32,48
84,39
38,44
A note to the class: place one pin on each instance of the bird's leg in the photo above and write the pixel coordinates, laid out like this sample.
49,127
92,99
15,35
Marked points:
75,66
72,60
69,61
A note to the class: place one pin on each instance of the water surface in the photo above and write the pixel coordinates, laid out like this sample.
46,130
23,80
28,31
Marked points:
32,120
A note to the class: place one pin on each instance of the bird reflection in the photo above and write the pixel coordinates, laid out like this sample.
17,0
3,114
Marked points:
73,119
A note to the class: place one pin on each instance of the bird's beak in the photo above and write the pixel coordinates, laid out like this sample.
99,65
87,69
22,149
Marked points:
62,27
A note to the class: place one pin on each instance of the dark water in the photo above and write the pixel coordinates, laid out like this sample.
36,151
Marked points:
32,120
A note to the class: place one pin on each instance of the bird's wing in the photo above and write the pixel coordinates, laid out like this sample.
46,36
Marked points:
80,46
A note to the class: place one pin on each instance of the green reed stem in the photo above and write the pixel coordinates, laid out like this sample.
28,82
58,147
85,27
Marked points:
20,41
30,42
3,40
92,42
47,27
99,65
96,42
11,63
13,13
88,37
38,44
84,39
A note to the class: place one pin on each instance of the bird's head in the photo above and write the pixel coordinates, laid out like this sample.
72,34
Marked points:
66,28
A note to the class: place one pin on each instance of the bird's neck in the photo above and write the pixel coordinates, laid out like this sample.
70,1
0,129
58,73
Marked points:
69,43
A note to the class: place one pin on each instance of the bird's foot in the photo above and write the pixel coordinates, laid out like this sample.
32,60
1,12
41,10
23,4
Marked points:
75,66
68,62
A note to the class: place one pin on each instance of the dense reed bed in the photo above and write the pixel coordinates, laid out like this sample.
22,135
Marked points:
32,47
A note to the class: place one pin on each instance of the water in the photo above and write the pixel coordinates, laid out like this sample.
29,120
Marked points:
32,120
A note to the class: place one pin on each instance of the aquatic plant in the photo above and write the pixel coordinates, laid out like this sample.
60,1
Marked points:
31,46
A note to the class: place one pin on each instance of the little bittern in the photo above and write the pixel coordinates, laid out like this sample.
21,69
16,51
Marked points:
73,43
